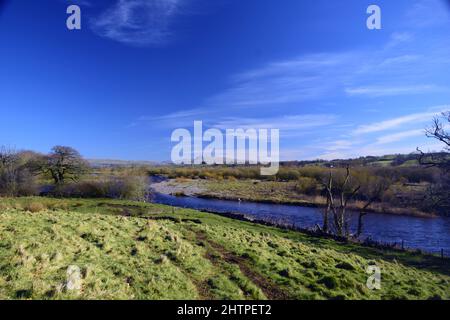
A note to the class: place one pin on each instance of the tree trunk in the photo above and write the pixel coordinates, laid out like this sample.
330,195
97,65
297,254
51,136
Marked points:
360,224
362,213
326,227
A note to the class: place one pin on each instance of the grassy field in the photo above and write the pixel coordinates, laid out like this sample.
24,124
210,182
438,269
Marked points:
132,250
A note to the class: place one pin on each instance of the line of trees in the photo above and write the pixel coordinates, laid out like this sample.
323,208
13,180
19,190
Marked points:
341,187
19,169
63,173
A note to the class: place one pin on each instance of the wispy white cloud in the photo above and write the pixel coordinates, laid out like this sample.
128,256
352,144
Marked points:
399,121
408,134
299,79
138,22
339,145
325,77
289,125
399,38
383,91
399,136
380,73
400,60
191,113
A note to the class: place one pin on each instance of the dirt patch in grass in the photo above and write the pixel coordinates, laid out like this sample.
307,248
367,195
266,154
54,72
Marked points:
203,290
270,290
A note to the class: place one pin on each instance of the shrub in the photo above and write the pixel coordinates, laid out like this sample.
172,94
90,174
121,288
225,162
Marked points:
288,174
34,207
306,185
15,176
130,188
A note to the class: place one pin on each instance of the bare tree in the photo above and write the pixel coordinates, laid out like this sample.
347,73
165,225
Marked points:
344,192
326,216
15,176
8,171
438,131
63,163
438,195
373,188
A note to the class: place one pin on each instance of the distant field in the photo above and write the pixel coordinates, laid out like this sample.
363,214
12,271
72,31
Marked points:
131,250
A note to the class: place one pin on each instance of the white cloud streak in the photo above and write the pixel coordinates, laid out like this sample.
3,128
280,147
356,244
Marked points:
299,79
289,126
138,22
399,121
398,38
383,91
395,137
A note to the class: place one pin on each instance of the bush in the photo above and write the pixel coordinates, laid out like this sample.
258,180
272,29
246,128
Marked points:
15,176
306,186
34,207
130,188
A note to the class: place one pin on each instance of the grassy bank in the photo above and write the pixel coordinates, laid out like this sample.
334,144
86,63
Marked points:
131,250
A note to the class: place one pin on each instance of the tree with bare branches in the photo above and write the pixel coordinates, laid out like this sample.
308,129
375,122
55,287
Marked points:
63,163
15,175
438,195
373,188
438,131
339,193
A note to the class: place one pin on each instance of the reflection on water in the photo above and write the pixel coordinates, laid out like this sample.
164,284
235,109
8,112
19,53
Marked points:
430,235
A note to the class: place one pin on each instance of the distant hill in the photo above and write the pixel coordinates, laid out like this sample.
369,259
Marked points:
394,160
102,163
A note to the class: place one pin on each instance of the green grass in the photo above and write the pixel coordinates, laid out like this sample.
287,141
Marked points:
131,250
382,163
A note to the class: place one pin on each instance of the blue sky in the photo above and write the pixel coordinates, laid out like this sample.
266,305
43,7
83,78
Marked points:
139,69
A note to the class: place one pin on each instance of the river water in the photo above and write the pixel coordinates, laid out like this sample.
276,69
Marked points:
427,234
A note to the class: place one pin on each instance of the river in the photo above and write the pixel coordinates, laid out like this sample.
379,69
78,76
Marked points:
428,234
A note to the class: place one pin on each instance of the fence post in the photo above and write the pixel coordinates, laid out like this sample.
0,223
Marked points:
403,245
442,254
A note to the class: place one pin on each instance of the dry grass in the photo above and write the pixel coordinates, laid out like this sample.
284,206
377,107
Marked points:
34,207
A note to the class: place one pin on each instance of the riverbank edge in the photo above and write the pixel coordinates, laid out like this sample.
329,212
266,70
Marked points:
316,205
316,233
173,191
